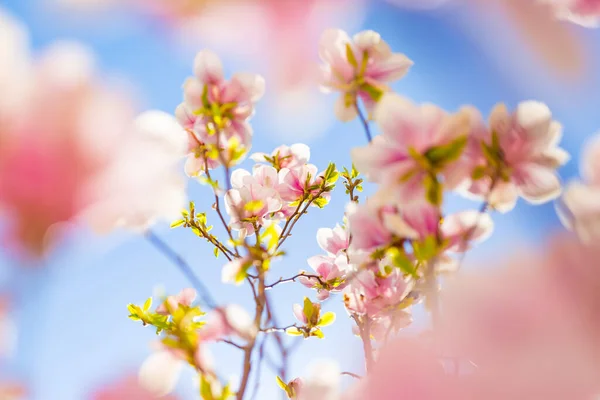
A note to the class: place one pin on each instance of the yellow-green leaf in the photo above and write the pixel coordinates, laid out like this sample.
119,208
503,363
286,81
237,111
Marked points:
177,223
293,331
327,319
350,56
148,304
281,383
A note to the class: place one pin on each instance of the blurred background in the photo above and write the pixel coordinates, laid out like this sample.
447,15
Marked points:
70,309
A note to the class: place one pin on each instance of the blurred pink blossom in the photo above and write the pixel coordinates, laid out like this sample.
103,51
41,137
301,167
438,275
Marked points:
215,112
360,67
186,297
528,144
289,157
579,207
127,388
397,159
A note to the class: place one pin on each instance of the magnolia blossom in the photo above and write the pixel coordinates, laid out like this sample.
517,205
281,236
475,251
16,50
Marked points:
160,372
301,181
579,208
227,321
69,153
418,142
143,184
523,147
251,204
216,112
370,292
331,272
322,382
582,12
536,341
333,241
185,298
127,388
290,157
358,67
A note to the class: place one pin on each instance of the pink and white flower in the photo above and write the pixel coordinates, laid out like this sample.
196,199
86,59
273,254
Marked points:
230,320
579,207
370,292
290,157
250,204
407,153
333,241
216,112
358,67
127,388
331,271
582,12
185,298
300,182
526,156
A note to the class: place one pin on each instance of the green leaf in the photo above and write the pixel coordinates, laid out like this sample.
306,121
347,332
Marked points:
308,309
350,56
317,333
490,155
205,389
148,304
374,92
293,331
445,154
425,249
401,261
478,172
433,190
321,202
281,383
327,319
355,172
178,223
216,252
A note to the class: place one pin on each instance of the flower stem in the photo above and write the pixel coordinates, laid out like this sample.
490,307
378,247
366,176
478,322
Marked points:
364,121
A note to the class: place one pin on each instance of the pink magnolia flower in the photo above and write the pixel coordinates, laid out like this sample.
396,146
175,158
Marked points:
322,382
216,112
579,208
333,241
582,12
46,170
358,67
135,191
290,157
370,292
234,270
263,175
298,182
227,321
527,156
331,270
403,159
252,203
185,298
127,388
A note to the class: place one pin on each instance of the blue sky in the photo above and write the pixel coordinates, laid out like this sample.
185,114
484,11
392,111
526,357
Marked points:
72,315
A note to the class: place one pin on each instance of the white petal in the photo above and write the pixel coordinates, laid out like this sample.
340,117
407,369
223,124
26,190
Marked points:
344,112
159,373
208,67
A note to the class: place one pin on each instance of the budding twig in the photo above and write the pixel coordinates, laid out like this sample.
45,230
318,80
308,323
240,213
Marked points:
183,266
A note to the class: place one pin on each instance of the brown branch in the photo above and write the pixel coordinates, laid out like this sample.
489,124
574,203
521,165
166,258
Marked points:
293,279
352,374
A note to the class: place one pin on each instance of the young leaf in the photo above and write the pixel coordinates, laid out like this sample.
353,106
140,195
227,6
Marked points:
445,154
350,56
281,383
148,304
327,319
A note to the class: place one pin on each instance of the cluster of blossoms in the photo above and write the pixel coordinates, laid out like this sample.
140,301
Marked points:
582,12
387,256
215,114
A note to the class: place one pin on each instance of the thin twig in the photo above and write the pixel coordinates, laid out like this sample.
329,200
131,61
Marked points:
229,342
364,328
352,374
183,266
261,355
217,208
293,279
364,121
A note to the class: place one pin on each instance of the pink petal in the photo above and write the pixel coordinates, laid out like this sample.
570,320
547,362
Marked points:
400,120
208,67
299,313
344,112
390,69
537,184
